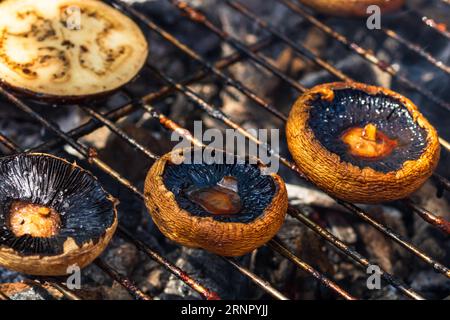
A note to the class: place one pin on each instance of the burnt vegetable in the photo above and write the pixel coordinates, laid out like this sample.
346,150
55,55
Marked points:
66,50
228,209
53,214
361,143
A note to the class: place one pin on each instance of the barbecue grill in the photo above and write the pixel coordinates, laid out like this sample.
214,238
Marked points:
243,53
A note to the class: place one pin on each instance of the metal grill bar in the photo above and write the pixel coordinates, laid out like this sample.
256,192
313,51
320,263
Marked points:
125,282
198,17
55,285
265,285
429,22
4,297
279,247
356,256
66,292
426,215
382,65
417,49
396,237
179,273
115,175
257,59
445,144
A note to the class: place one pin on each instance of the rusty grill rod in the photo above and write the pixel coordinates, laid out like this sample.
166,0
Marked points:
257,59
279,247
259,281
426,215
299,48
367,55
180,274
417,49
356,256
125,282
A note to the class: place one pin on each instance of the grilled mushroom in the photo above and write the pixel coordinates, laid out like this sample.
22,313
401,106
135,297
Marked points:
361,143
67,50
228,209
53,214
352,8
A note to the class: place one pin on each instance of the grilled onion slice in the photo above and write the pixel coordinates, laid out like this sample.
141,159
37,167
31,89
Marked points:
67,49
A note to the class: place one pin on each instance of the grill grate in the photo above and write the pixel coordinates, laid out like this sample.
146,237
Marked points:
145,103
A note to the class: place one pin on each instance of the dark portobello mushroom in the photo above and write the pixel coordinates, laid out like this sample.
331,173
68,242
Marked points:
227,209
46,56
352,8
53,214
361,143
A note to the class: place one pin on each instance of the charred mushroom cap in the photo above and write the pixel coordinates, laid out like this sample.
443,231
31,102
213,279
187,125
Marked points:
67,50
361,143
53,214
227,209
352,8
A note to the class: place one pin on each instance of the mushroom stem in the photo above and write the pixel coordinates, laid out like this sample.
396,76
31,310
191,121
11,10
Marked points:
370,132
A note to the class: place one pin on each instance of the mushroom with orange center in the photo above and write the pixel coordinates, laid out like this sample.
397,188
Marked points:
53,215
352,8
227,209
361,143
